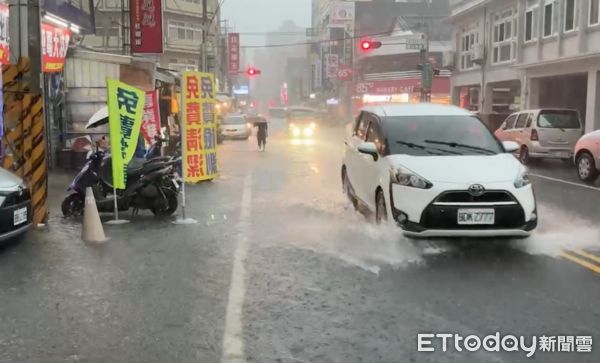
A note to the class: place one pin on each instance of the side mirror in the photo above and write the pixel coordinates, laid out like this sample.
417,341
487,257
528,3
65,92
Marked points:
369,148
510,146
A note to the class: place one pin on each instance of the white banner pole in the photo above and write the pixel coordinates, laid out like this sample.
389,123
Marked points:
183,219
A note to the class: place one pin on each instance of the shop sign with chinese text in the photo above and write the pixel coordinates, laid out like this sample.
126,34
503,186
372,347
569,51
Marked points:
55,43
4,48
199,141
146,26
233,47
151,120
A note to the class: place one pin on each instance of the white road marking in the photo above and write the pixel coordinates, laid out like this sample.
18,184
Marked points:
233,343
565,182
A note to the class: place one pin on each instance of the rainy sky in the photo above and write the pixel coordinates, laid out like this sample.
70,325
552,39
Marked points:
261,16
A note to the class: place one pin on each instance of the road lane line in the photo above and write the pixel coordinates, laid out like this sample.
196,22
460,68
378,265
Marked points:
233,343
565,182
581,262
587,255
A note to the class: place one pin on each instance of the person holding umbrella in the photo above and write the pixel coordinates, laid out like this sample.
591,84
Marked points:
262,133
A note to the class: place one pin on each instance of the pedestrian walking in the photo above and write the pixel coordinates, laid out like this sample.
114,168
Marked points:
262,133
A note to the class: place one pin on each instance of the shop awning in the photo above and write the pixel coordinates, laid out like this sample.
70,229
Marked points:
166,76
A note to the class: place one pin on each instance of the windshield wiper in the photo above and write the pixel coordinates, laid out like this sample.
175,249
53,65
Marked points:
464,146
412,145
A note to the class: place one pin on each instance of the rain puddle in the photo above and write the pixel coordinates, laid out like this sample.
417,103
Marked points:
337,231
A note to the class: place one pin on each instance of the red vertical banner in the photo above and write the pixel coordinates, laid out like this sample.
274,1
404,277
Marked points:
233,48
4,49
146,26
55,43
151,118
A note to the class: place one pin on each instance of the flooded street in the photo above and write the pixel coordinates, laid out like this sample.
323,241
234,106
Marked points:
282,269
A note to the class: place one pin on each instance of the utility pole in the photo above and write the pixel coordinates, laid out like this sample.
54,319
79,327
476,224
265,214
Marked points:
426,67
205,25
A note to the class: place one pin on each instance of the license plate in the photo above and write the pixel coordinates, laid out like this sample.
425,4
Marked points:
476,216
562,154
20,216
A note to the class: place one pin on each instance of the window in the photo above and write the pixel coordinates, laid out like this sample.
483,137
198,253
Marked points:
467,39
531,24
548,20
521,121
504,42
439,136
361,127
529,120
510,122
375,136
179,30
570,15
559,119
594,12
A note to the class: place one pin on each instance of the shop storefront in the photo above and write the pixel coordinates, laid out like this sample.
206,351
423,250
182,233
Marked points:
401,91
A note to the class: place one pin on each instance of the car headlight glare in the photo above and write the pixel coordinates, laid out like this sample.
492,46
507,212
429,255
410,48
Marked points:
296,131
522,179
308,131
409,179
313,125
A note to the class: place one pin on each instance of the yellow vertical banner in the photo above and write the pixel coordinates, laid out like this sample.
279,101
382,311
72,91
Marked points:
199,127
125,111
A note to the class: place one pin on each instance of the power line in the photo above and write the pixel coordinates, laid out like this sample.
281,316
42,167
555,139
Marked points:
314,42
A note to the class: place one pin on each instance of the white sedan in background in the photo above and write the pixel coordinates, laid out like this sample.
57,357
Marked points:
436,171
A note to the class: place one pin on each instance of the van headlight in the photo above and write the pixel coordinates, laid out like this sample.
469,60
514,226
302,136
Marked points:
407,178
522,179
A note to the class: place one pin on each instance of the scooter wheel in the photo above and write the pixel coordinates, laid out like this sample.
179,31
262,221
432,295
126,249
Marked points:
171,202
73,205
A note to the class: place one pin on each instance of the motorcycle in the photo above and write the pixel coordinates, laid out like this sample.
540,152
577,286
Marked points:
151,184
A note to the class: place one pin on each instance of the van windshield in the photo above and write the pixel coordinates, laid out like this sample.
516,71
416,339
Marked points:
556,119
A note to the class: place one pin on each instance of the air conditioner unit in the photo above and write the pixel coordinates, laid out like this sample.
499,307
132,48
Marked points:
478,53
448,59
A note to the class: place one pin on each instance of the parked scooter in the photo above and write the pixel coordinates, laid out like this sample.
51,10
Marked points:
151,184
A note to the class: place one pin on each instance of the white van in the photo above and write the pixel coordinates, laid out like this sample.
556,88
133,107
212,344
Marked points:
543,133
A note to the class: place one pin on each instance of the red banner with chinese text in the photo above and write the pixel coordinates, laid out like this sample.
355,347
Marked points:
4,47
146,26
151,118
233,49
55,43
199,127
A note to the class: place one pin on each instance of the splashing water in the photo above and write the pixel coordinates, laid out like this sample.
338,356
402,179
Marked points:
557,231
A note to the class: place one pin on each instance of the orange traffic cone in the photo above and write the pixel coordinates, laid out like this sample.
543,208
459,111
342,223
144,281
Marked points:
92,226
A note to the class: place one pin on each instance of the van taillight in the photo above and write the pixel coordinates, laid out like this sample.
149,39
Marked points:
534,135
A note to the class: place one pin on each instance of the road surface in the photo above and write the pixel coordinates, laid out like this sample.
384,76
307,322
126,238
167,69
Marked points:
281,269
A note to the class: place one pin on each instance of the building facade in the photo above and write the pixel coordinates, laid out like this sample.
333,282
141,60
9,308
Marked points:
182,32
521,54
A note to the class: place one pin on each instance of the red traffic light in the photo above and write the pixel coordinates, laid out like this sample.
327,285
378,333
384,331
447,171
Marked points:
369,45
252,72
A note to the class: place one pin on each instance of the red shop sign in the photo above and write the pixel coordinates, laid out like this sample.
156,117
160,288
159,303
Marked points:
151,119
4,50
55,43
146,26
233,48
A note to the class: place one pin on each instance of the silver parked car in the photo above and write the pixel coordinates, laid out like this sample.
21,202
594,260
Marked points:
587,156
543,133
